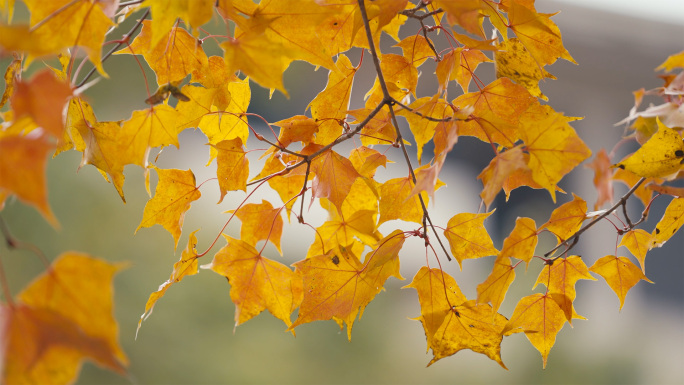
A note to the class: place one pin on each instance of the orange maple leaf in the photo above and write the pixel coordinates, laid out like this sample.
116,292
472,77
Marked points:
63,317
257,283
42,99
459,65
334,177
166,12
22,172
172,198
397,202
620,274
603,178
152,127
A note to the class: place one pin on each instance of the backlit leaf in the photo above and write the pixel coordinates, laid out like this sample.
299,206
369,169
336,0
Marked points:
493,289
232,166
561,278
620,274
567,219
257,283
172,198
468,238
540,317
260,221
522,241
638,242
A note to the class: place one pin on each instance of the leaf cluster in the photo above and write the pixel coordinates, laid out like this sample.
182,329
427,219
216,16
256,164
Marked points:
350,259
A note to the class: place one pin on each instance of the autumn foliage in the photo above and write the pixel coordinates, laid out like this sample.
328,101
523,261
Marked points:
65,315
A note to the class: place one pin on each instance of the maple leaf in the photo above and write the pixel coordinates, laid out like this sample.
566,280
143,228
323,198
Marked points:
560,278
334,178
172,198
638,242
603,178
58,25
232,166
337,286
496,112
426,179
620,274
468,238
515,62
662,155
263,60
470,326
465,13
153,127
219,125
22,172
416,49
257,283
522,241
398,70
437,293
331,105
397,202
295,28
553,145
166,12
538,34
672,62
459,65
214,76
540,317
423,129
342,230
567,219
63,317
499,169
186,266
260,221
670,223
42,99
366,160
171,58
493,289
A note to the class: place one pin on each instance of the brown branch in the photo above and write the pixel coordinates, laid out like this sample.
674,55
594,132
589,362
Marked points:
13,243
124,40
390,102
572,241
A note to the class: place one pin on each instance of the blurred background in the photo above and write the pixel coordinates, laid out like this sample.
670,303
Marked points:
190,338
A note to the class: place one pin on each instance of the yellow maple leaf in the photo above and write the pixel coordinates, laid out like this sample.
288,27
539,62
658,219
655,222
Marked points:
232,166
260,221
493,289
515,62
174,193
567,219
662,155
560,278
522,241
468,238
670,223
540,317
257,283
638,242
620,274
553,145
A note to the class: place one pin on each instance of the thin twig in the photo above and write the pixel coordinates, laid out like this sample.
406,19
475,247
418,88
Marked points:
118,45
575,237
